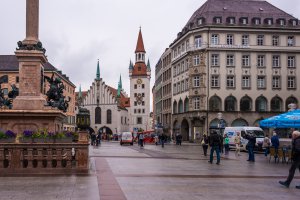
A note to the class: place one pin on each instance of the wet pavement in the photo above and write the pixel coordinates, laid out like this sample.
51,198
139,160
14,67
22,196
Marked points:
174,172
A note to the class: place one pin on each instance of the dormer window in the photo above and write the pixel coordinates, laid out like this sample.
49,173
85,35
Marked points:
244,20
281,22
231,20
257,21
294,23
269,22
218,20
200,21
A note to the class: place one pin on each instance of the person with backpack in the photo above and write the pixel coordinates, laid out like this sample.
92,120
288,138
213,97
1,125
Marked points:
295,158
215,141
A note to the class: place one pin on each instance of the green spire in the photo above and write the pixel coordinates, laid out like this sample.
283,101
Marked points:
120,81
80,94
148,65
98,71
119,87
130,65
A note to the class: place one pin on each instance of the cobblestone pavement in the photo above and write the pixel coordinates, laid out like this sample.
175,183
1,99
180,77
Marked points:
154,173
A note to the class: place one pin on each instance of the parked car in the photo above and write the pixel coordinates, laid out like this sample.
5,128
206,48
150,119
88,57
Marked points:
126,138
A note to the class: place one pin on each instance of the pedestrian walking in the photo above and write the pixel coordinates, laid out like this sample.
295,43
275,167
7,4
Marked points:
237,142
215,142
98,139
250,145
226,144
179,139
141,140
162,140
275,144
93,138
204,144
266,145
156,140
295,158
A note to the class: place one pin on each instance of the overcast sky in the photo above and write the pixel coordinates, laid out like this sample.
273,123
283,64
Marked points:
76,33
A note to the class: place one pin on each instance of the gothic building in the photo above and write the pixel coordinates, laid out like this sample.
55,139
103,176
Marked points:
107,106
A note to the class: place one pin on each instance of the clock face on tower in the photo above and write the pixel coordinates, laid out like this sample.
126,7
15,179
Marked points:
139,98
139,81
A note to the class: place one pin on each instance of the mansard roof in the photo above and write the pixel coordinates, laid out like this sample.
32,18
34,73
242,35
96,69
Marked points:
238,9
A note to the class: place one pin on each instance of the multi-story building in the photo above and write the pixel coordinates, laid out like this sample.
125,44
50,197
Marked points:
140,75
234,57
158,93
163,80
9,65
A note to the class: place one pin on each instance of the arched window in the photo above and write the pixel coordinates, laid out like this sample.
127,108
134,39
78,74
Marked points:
175,107
108,116
290,100
246,104
215,103
239,122
261,104
276,104
180,106
230,103
186,105
98,115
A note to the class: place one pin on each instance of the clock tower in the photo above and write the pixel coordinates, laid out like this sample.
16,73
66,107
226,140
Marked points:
139,75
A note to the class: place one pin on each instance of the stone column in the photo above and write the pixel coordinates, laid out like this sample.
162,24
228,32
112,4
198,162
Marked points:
31,63
32,22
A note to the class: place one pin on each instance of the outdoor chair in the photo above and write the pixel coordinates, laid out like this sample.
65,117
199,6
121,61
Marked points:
280,155
272,154
288,156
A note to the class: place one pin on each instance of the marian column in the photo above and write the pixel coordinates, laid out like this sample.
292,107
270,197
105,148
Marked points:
31,57
32,22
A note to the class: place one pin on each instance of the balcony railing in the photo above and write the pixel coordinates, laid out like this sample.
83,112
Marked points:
61,158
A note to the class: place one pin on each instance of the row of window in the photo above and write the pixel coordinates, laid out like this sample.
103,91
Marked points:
261,104
261,82
98,116
260,61
230,104
139,110
136,103
260,40
181,86
181,67
136,86
254,21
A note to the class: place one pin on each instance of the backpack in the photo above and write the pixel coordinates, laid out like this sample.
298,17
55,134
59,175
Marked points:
297,145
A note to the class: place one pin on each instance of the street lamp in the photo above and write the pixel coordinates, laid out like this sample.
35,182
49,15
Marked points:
221,122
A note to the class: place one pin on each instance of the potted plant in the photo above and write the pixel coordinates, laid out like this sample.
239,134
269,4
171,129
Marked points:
39,136
64,137
7,136
27,136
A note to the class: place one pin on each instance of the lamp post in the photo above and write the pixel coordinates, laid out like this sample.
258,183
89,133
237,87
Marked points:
221,123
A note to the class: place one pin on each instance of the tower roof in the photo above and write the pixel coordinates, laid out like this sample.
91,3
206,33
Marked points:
140,43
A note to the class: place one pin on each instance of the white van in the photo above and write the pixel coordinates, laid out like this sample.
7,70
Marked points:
126,137
245,130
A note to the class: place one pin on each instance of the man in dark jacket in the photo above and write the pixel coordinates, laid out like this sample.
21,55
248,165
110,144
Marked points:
295,158
250,146
215,143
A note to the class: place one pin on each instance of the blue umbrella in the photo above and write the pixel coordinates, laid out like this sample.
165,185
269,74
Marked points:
286,120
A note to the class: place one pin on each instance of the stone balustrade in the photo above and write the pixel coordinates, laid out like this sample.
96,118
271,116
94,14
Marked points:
43,158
